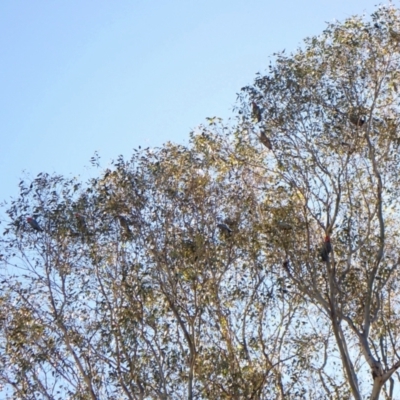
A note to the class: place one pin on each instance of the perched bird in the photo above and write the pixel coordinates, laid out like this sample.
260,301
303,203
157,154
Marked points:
225,228
256,112
285,226
33,223
357,120
189,247
394,35
326,249
124,224
265,140
81,224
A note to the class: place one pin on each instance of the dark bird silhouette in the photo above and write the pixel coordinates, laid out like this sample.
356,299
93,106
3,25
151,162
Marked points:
124,224
81,223
225,228
394,35
265,140
326,249
357,120
256,112
33,223
285,226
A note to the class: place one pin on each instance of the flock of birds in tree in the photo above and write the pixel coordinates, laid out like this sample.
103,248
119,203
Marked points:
324,252
81,224
82,227
224,228
257,112
355,119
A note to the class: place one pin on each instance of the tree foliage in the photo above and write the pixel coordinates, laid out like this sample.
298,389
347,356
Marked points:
258,262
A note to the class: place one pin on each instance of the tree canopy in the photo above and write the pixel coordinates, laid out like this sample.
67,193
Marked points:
258,262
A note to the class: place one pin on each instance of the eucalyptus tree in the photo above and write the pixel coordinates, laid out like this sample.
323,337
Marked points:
243,266
154,280
330,112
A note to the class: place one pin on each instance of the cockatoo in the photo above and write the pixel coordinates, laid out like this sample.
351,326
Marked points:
33,223
225,228
256,111
265,140
285,226
357,120
81,224
394,35
326,249
124,224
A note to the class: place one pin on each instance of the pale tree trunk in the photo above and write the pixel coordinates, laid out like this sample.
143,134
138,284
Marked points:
346,361
376,389
381,379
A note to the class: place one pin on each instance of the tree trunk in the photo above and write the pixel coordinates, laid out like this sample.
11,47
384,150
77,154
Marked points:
376,389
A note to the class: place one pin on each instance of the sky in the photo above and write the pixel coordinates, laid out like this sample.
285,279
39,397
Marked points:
81,76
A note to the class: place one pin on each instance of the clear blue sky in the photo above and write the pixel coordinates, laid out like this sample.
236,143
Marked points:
83,76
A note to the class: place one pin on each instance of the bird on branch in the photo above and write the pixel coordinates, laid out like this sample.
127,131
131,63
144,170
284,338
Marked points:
34,224
256,112
81,223
325,249
225,228
125,226
265,140
357,120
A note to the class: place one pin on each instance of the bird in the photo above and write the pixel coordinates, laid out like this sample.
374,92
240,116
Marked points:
256,112
124,224
325,249
394,35
189,246
265,140
80,221
357,120
34,224
225,228
285,226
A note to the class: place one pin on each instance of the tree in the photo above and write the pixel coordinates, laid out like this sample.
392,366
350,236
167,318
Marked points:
176,309
333,111
227,269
